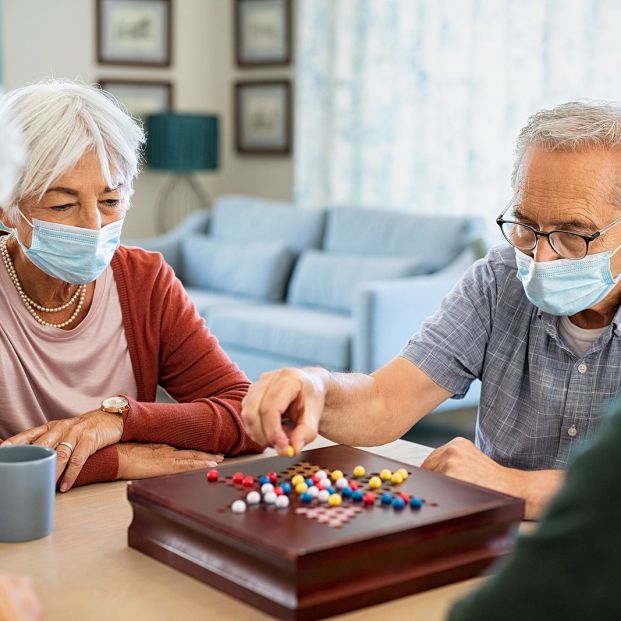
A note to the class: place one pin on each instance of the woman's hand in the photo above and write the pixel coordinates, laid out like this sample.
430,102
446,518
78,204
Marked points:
85,435
18,600
142,461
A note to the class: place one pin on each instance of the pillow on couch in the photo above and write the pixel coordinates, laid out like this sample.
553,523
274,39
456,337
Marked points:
329,280
257,270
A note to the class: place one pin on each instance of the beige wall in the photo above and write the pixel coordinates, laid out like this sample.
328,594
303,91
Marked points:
56,37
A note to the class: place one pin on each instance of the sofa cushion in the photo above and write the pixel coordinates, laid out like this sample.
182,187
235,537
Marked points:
329,281
256,270
249,219
308,336
207,301
356,230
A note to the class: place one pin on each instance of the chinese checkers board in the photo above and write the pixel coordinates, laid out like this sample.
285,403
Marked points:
310,558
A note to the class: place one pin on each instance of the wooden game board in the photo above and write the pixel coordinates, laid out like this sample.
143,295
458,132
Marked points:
308,562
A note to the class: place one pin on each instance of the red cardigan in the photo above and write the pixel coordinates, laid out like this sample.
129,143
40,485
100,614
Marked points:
170,345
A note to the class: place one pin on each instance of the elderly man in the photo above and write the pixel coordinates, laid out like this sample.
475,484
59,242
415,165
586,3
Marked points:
537,321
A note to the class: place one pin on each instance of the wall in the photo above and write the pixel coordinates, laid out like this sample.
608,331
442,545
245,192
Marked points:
42,38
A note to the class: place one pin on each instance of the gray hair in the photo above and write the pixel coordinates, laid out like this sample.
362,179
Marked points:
572,126
60,122
12,157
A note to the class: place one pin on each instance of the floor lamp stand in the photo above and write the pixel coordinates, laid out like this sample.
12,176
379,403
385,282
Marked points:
181,195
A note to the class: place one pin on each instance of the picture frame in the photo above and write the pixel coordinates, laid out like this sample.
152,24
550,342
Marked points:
262,32
134,32
141,97
263,117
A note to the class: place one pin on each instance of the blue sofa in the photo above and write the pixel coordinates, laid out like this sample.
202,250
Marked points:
343,288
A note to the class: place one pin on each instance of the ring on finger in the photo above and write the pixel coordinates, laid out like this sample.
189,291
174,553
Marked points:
67,444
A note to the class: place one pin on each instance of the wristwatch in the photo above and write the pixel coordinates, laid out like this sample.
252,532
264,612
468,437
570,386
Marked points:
115,405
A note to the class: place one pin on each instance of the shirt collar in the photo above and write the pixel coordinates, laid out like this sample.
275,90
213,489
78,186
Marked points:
616,323
551,322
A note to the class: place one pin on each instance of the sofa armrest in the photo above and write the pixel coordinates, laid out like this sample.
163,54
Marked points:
387,313
169,244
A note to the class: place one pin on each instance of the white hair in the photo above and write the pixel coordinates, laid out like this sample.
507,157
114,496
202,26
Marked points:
572,126
60,122
11,157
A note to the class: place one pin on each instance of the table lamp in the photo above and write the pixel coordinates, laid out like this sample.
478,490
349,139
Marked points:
181,144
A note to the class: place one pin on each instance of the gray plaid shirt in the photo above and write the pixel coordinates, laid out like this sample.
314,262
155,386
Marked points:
538,400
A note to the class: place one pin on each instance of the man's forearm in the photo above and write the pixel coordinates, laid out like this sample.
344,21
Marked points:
358,413
354,412
367,410
350,408
538,487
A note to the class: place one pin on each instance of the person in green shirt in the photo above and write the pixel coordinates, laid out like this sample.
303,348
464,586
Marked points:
570,567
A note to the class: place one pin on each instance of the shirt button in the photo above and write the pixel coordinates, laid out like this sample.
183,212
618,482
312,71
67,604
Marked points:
582,368
572,432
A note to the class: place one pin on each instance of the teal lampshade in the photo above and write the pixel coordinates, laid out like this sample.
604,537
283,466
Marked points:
182,142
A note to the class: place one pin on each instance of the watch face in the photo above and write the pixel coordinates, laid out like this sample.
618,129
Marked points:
115,402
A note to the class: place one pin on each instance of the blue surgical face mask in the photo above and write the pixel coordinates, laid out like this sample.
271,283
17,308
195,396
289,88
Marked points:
566,286
70,253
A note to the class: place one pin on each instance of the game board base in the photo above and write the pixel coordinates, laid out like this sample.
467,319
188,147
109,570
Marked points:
315,583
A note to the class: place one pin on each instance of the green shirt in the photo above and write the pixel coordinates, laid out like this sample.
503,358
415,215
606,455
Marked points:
570,567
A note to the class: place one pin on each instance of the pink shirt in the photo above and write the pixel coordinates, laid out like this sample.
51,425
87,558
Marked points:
39,365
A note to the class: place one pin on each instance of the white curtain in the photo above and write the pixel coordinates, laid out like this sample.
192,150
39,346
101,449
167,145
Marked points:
417,103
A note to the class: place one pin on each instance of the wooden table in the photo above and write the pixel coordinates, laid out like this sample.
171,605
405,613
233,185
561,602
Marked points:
84,571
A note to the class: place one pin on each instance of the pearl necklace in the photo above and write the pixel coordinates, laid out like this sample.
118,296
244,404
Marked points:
30,304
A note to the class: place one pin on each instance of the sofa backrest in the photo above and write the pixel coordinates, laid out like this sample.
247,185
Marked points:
434,240
362,245
238,218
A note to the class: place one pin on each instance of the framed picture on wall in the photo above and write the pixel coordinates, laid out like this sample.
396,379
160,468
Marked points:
141,97
263,117
134,32
262,32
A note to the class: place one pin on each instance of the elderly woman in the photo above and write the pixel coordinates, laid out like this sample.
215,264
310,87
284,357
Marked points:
89,328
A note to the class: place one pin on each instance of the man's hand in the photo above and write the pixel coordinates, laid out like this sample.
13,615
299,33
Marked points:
86,434
461,459
142,461
18,600
295,394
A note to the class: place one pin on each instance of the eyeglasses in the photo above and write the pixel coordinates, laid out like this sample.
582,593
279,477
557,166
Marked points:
566,244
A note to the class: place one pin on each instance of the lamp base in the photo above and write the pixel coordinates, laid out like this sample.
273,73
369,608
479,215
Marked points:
181,195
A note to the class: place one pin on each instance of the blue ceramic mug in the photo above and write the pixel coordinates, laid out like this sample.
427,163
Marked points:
27,488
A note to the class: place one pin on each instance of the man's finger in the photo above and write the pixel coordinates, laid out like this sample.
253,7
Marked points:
280,395
252,399
433,460
250,413
302,435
